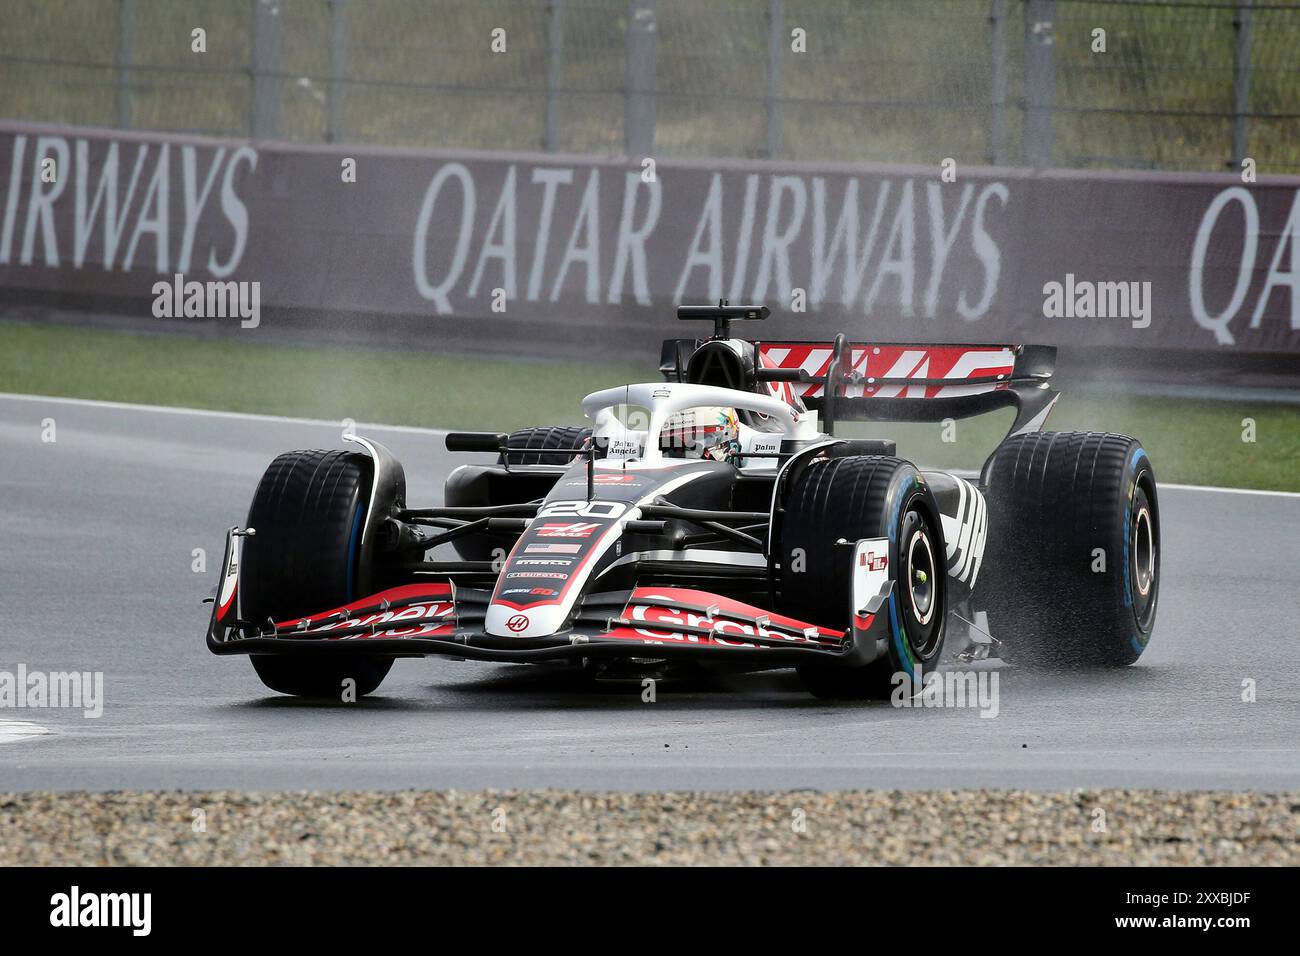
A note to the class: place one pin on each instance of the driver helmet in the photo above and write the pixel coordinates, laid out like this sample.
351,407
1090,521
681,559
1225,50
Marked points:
708,432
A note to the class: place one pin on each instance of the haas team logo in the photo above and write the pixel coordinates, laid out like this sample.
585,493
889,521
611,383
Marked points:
872,562
517,622
576,529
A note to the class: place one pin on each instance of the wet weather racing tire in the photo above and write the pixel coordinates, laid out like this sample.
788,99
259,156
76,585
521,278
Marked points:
308,511
864,497
563,441
1074,534
300,675
554,445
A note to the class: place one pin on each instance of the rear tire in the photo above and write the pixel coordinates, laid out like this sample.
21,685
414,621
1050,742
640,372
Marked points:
1074,534
308,511
864,497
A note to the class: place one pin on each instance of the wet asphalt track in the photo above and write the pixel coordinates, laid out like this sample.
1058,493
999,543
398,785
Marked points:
96,535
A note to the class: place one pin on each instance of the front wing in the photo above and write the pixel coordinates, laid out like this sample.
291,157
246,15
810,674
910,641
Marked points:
440,618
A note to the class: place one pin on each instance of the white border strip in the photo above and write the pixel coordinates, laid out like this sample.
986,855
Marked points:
1162,485
12,731
416,430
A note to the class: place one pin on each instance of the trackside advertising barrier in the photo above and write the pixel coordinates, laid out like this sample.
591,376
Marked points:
494,251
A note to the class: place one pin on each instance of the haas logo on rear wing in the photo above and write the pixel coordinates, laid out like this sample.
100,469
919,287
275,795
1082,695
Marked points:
891,371
843,380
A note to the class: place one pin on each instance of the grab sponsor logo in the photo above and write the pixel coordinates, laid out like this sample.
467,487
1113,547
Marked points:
721,627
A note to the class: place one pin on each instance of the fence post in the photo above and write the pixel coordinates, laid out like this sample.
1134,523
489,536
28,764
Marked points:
338,50
1040,81
639,103
555,24
125,49
265,107
998,132
775,57
1241,83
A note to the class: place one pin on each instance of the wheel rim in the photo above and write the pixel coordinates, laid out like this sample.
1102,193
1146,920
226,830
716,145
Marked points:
920,584
921,577
1144,553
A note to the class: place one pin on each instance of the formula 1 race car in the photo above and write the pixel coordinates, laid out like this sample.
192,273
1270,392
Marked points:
713,519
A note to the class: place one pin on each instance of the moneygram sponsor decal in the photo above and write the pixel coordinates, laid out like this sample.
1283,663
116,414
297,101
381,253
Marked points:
552,548
37,690
415,612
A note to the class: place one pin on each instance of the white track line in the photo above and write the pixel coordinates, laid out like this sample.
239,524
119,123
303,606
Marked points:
415,430
1162,485
11,731
211,413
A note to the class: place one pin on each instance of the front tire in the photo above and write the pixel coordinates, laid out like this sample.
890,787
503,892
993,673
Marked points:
562,442
305,557
1074,535
300,675
865,497
554,445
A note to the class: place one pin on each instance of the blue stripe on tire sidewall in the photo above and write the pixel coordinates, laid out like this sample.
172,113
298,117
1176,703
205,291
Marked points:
1139,454
897,635
354,547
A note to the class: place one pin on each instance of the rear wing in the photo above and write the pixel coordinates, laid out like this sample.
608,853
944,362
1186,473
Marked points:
910,382
858,381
